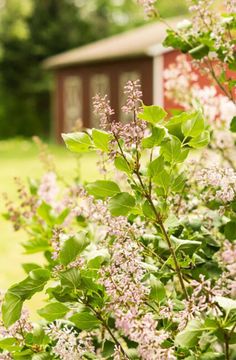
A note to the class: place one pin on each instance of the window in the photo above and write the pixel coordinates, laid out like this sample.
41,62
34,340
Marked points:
124,78
99,84
72,101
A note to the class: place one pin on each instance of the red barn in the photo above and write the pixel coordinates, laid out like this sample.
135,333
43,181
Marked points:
104,67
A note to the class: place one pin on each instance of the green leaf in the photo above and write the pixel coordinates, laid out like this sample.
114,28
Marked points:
70,278
171,149
15,296
158,134
53,311
35,245
194,126
230,230
40,275
182,155
101,189
11,308
199,52
122,165
77,142
23,355
108,349
175,123
152,114
28,267
85,321
72,247
233,124
171,222
178,183
121,204
61,217
226,303
187,246
35,282
188,338
212,356
101,139
9,344
200,141
163,180
157,292
148,211
44,210
42,356
176,41
156,166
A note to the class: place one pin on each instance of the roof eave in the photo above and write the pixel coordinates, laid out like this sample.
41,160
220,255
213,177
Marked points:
54,64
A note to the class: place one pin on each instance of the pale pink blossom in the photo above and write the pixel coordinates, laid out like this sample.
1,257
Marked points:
148,6
102,108
48,188
182,86
69,345
222,180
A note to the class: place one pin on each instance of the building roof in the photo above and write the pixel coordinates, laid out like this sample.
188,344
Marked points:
145,40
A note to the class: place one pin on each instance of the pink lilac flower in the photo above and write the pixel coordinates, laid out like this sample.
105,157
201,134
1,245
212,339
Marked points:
133,132
134,94
148,6
5,356
97,211
228,260
123,277
222,179
223,140
48,188
118,355
19,329
143,330
56,241
70,345
103,109
230,6
207,20
182,86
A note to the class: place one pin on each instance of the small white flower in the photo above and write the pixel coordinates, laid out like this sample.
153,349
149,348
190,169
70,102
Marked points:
184,24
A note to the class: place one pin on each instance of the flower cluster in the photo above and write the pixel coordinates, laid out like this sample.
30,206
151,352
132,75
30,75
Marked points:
223,180
123,278
134,95
18,329
48,188
132,132
102,108
230,6
148,6
182,87
228,259
143,330
26,209
69,344
206,20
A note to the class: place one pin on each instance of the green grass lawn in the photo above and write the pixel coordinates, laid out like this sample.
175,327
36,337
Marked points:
20,158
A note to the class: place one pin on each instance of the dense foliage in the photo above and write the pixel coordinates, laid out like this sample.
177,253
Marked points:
141,263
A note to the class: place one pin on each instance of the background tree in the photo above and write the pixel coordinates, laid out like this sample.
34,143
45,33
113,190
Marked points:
32,30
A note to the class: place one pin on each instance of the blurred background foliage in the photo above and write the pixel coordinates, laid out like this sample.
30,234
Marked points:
32,30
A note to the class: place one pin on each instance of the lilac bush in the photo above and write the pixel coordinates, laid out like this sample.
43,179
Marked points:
142,267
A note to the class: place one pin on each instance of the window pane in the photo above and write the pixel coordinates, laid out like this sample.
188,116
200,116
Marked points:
72,102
